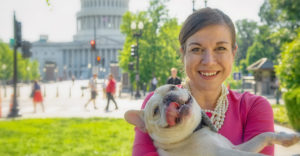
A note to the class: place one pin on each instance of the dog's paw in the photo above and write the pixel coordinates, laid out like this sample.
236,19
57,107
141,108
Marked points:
286,139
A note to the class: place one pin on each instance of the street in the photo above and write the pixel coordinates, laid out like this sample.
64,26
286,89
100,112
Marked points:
69,103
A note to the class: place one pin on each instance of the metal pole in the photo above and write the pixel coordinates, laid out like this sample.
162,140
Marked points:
5,93
57,94
15,111
44,90
93,51
137,95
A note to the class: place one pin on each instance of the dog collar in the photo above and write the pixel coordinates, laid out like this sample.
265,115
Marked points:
200,125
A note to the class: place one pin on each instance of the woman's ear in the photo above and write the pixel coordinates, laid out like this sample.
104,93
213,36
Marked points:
182,54
234,50
181,51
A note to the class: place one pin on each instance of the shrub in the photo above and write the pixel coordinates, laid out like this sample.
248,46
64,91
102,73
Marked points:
292,103
288,68
280,115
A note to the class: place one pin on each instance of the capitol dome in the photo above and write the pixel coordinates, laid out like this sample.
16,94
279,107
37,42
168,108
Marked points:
98,18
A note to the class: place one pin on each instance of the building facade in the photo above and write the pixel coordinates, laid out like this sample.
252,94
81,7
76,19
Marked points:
97,20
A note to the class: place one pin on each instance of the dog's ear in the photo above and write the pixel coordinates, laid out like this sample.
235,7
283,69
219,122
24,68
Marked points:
136,117
207,122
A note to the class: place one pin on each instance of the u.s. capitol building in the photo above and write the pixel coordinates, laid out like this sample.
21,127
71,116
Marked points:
97,19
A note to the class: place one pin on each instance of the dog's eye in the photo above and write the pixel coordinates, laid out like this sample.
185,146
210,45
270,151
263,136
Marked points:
156,111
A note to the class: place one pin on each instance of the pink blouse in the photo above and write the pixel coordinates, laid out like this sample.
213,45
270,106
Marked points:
247,116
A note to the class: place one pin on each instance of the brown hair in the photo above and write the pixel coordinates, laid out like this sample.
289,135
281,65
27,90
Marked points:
202,18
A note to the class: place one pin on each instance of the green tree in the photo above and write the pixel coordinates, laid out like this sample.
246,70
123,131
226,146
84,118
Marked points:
288,67
246,31
263,46
158,45
27,70
281,13
6,62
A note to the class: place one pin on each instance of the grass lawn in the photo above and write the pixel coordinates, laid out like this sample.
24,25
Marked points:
66,137
280,115
76,136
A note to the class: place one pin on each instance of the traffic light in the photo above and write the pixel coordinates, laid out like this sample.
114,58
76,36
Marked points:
26,52
93,44
98,59
18,33
133,50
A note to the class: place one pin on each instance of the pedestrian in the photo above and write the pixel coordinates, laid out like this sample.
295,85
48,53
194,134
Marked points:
104,89
93,88
173,79
36,94
208,46
153,83
110,91
277,91
73,80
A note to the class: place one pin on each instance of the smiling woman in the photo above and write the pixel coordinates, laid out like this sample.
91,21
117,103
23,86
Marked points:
208,47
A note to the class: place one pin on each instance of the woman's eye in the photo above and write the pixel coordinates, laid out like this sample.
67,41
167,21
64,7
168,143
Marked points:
156,111
221,48
195,49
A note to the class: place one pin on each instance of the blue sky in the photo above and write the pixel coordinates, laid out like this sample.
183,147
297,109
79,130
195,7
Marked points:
58,20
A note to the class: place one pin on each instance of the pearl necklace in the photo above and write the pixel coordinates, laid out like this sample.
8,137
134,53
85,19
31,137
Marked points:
218,114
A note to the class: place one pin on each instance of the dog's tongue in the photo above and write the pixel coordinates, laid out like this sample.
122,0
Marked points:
172,113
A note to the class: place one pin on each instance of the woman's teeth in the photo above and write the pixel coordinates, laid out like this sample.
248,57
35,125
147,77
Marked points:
208,74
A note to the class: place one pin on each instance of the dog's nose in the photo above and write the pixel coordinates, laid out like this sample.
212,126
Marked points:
172,87
170,98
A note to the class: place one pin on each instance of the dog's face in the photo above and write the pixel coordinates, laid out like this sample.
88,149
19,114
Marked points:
170,115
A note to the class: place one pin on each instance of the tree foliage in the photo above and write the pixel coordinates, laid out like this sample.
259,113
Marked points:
247,30
279,19
288,67
27,70
158,45
263,46
281,13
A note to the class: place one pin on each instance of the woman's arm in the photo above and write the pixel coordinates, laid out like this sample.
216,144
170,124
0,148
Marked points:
143,144
259,119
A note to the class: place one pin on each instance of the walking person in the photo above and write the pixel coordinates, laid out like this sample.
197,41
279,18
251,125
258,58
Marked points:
208,47
110,91
93,87
153,83
36,94
173,79
73,80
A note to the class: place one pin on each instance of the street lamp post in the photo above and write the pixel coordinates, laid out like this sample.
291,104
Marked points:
193,5
18,43
137,34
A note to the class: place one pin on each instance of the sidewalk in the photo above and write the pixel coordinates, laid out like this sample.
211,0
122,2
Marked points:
284,151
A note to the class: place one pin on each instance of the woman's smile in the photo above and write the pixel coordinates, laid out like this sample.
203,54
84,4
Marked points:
208,75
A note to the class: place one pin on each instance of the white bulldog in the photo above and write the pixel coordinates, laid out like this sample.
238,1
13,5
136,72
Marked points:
178,127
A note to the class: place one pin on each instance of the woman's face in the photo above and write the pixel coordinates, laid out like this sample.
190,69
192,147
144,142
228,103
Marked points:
209,57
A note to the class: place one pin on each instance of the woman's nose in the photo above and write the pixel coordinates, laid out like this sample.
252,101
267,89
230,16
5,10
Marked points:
208,58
